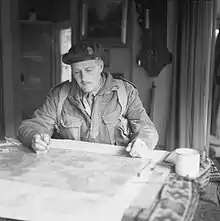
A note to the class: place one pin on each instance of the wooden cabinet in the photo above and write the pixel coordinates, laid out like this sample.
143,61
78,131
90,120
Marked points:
1,107
37,56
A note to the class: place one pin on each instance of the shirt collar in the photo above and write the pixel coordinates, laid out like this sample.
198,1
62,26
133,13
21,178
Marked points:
102,82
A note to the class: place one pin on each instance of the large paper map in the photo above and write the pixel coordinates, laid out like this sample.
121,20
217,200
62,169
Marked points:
69,183
70,170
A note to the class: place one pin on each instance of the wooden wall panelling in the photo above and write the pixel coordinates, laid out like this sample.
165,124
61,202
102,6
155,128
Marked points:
9,64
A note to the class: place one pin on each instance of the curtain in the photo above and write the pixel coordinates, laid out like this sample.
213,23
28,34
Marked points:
215,108
191,75
2,116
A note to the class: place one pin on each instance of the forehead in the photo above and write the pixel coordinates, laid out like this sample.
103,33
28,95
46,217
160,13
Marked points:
84,64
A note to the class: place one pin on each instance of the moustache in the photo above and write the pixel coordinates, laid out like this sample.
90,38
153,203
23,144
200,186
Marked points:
85,82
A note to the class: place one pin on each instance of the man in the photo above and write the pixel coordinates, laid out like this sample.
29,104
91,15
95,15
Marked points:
93,108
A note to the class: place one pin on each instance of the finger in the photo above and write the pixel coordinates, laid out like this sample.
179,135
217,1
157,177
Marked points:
46,138
39,140
36,136
38,147
139,148
38,152
129,147
134,153
132,150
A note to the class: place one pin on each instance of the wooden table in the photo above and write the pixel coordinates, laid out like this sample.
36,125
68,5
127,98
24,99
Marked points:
78,181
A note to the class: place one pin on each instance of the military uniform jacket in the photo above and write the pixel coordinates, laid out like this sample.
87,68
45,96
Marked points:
105,125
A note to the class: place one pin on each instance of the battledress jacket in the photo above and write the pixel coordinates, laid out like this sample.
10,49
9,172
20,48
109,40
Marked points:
105,125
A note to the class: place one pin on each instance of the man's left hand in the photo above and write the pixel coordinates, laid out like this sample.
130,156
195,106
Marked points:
138,148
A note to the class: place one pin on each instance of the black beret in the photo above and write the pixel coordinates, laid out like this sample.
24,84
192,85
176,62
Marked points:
83,51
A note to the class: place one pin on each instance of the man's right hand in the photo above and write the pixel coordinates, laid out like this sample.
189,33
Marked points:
40,142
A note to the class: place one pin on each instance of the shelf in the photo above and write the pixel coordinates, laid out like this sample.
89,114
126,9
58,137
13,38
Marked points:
36,22
32,89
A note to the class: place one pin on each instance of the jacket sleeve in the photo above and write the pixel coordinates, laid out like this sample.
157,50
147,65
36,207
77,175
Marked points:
42,121
141,125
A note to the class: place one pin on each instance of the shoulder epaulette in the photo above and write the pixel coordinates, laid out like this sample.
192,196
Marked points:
59,85
123,79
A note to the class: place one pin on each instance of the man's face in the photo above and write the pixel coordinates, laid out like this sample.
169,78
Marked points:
88,74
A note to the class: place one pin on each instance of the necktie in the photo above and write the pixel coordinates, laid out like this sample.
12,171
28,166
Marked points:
90,99
94,128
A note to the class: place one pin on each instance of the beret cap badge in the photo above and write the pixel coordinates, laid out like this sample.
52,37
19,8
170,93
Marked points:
89,50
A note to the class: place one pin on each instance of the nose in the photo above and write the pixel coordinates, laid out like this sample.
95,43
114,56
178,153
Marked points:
84,75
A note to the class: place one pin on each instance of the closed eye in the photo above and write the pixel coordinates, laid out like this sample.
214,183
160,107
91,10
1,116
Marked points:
76,72
89,69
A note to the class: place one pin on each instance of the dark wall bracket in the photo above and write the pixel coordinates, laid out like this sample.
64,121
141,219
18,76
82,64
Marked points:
152,18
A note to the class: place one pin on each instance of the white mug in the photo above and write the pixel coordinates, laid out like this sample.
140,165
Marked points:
187,162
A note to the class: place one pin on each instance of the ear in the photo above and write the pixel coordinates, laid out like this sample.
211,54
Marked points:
100,64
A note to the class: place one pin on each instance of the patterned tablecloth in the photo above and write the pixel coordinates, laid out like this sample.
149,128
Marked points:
208,208
177,201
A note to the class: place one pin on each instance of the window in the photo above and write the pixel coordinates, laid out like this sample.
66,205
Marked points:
216,32
65,44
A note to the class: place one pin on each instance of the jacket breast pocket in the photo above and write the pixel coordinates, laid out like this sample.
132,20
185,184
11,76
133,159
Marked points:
70,127
110,121
123,132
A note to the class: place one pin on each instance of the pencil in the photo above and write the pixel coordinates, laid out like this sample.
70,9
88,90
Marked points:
10,141
151,166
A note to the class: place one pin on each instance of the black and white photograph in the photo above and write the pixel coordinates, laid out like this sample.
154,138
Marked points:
109,110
